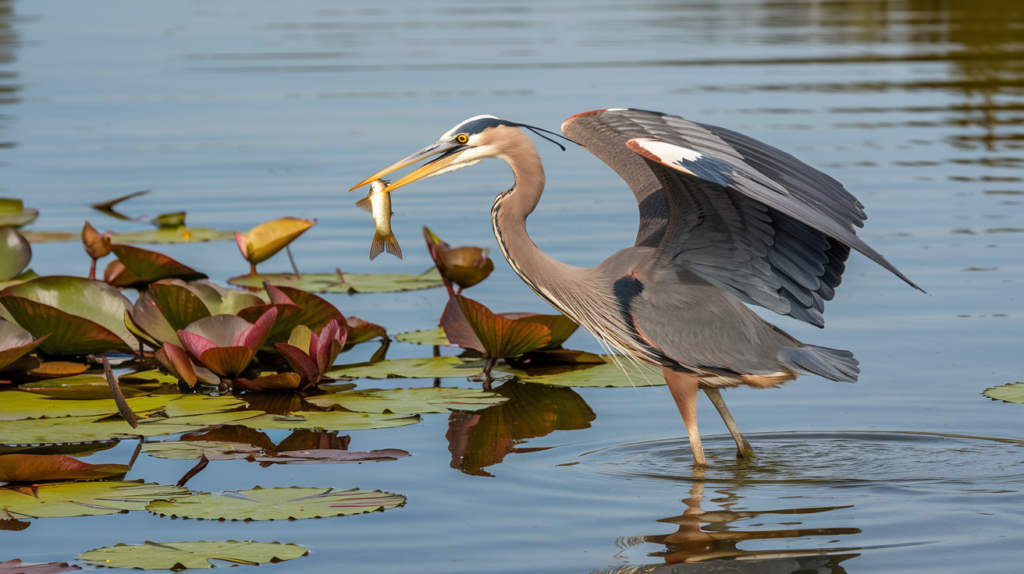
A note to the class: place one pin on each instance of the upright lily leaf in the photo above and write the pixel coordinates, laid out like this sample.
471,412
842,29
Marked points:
81,499
503,337
145,267
277,504
181,555
561,326
15,253
226,344
464,266
82,316
14,214
178,304
266,239
345,283
36,468
15,343
422,401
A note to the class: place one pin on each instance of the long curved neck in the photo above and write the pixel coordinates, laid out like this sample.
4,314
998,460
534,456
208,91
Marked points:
544,274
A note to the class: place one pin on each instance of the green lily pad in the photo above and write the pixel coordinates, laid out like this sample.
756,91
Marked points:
16,566
422,400
171,235
14,214
51,236
193,450
1010,393
592,375
15,253
81,499
328,421
353,282
84,387
39,467
18,405
435,337
426,368
82,316
105,427
277,504
181,555
169,220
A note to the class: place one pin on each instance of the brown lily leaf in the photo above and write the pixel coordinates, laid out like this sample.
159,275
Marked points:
15,343
97,245
40,467
501,337
108,206
122,405
463,266
18,567
360,331
57,369
142,267
273,382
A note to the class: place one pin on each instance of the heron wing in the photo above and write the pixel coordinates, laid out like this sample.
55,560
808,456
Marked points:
750,219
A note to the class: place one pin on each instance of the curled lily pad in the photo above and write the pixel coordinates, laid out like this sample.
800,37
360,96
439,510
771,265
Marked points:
81,499
501,337
172,235
14,214
40,467
266,239
181,555
344,282
96,244
1010,393
15,343
142,267
82,316
607,374
423,400
277,504
434,337
15,253
427,368
463,266
226,344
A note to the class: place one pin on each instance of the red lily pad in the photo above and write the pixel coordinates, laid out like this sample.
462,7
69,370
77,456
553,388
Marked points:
501,337
142,267
274,382
360,331
39,467
226,344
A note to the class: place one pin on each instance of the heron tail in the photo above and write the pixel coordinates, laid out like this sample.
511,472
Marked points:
833,364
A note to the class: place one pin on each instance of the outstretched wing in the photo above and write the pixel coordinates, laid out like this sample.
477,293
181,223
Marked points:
749,218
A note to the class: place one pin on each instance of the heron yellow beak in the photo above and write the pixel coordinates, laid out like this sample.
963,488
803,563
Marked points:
450,151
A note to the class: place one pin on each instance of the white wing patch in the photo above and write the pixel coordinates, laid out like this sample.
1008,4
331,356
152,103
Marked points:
665,153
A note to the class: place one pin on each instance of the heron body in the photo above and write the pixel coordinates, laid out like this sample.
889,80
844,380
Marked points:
725,221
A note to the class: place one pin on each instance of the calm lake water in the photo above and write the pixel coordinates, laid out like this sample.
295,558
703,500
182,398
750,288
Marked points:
243,111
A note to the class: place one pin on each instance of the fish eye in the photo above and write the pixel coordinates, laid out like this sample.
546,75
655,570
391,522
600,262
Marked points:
462,138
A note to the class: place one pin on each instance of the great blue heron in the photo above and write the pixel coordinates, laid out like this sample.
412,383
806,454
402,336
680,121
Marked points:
724,220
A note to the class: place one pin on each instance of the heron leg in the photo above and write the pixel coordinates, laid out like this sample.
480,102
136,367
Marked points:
684,388
744,449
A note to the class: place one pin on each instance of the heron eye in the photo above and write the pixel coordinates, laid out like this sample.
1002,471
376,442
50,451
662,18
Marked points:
462,138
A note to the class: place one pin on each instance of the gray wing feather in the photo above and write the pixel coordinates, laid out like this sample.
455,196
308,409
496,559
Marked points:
747,217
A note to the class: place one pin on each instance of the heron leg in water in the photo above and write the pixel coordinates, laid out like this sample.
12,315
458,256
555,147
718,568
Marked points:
684,387
743,447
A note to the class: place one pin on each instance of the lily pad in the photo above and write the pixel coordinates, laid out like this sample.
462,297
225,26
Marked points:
346,283
426,368
502,337
194,450
81,499
594,375
331,456
58,369
85,387
39,467
103,427
144,267
181,555
328,421
1010,393
82,316
50,236
14,214
277,504
421,400
15,253
435,337
16,566
464,266
266,239
19,405
172,235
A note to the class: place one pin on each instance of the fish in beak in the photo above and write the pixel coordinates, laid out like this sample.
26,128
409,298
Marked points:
449,160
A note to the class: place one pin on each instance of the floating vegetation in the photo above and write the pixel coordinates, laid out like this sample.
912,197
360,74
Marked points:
1009,393
435,337
16,566
178,556
426,368
277,504
605,374
14,214
15,253
410,401
35,468
69,499
339,282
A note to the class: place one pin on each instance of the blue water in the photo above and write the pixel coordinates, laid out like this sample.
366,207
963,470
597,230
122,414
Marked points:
239,112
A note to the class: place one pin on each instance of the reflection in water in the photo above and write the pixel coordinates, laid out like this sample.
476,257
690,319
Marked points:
479,440
705,536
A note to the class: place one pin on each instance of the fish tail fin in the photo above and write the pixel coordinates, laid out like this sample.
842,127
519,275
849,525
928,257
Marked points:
365,204
377,247
391,243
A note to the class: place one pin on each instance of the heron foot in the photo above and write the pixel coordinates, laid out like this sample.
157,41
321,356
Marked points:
743,449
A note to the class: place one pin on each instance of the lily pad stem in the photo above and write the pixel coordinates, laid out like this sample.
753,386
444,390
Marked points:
295,268
92,270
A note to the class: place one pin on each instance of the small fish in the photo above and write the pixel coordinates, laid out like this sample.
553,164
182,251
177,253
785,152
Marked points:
379,204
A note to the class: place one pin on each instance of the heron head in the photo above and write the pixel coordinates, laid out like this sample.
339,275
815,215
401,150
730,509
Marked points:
466,144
